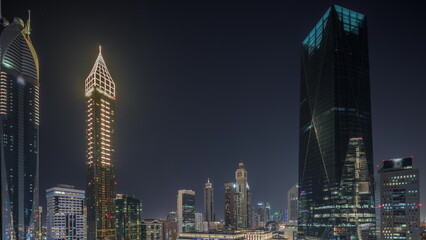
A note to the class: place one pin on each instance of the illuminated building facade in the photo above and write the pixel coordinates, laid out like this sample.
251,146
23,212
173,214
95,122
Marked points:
152,229
128,215
209,215
230,206
66,218
228,235
186,210
242,197
398,200
292,203
335,110
100,160
19,130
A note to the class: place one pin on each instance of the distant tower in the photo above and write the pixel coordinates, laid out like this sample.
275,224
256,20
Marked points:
242,197
100,160
19,131
230,207
208,202
186,210
292,199
65,213
398,200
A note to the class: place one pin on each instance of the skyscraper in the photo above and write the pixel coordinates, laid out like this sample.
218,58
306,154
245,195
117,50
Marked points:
19,130
66,219
100,161
186,210
230,206
335,122
292,199
242,197
398,200
128,217
208,202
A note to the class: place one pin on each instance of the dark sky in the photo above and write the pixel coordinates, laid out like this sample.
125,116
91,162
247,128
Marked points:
202,85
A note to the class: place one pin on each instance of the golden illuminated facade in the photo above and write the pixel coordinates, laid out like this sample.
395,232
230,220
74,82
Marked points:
100,194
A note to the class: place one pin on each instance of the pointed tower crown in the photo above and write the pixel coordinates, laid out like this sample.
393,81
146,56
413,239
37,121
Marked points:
99,78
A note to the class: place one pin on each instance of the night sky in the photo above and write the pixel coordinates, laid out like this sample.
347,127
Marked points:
203,85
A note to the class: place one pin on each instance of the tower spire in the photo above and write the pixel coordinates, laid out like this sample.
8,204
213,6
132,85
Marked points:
28,25
100,50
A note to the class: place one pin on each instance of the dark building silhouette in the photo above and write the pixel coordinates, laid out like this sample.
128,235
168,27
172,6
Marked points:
100,152
209,215
335,123
230,206
19,130
128,217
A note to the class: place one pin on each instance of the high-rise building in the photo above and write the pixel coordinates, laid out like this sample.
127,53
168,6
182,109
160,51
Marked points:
292,202
199,222
242,197
335,124
186,210
209,215
128,219
66,219
172,216
170,230
152,229
263,214
398,200
100,160
39,223
19,130
230,206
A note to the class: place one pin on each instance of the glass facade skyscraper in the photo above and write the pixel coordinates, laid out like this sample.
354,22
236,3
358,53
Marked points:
128,217
19,130
335,129
100,160
186,210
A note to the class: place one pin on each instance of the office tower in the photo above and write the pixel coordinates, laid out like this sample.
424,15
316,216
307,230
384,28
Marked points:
230,206
263,212
169,230
292,199
186,210
398,200
335,122
65,218
242,197
172,216
208,202
100,161
128,213
19,130
152,229
39,223
199,222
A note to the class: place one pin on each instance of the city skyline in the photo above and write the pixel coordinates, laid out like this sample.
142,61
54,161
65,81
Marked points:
275,156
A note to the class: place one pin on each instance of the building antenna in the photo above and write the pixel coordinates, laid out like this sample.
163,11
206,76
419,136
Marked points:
28,26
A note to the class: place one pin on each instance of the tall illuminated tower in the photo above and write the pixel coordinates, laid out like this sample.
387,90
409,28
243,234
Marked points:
242,197
100,161
209,215
336,194
19,130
